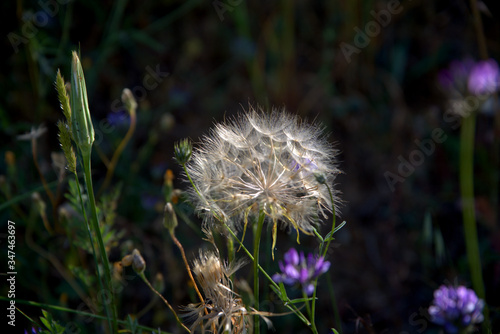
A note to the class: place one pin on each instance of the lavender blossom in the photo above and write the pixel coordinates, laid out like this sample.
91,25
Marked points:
297,270
484,78
470,77
456,309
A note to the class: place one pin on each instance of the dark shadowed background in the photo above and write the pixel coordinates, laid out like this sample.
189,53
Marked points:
366,70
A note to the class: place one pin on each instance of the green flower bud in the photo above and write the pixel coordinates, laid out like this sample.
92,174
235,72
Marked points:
138,263
170,218
81,123
129,100
183,151
320,178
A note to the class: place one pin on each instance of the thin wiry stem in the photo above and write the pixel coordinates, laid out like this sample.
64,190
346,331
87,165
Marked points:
143,277
116,155
179,245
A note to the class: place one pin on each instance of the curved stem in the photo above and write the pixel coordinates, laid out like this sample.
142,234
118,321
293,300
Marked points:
143,277
116,155
179,245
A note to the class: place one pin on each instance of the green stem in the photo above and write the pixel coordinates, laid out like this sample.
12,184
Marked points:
91,239
230,252
333,219
310,311
336,314
102,250
467,192
470,227
257,231
286,301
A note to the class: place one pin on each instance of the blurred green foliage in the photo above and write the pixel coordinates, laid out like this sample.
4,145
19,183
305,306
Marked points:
190,62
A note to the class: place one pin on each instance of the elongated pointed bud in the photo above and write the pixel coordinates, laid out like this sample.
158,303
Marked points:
81,123
129,101
138,263
170,218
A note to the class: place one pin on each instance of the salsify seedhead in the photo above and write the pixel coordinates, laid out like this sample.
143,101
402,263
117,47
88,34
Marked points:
270,164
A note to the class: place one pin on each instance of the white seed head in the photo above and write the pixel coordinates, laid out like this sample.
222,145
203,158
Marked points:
264,162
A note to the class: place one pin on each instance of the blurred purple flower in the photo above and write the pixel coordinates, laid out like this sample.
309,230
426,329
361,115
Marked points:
119,118
455,77
484,77
468,76
297,270
149,201
456,308
33,331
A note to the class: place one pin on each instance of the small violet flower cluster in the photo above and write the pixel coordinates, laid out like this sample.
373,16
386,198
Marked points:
456,308
477,78
296,269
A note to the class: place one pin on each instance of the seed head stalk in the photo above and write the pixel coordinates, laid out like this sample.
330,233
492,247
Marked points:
256,247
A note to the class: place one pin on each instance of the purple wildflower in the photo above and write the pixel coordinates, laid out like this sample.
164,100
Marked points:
296,269
119,118
484,77
456,308
454,78
470,77
33,331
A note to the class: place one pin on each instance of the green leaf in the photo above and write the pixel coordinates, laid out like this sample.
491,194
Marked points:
276,291
131,324
300,300
45,322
